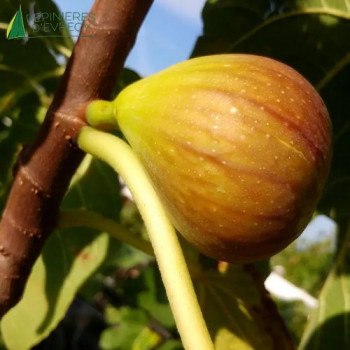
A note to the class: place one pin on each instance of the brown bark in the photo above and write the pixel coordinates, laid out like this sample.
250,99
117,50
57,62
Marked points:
44,169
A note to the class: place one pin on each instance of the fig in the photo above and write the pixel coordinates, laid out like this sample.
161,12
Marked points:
238,148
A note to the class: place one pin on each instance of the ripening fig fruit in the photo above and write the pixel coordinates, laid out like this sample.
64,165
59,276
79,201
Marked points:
238,148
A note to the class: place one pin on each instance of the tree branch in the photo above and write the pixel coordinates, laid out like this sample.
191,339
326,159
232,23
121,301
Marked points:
44,169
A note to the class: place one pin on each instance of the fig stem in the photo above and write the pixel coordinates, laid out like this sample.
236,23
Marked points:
166,246
86,218
100,114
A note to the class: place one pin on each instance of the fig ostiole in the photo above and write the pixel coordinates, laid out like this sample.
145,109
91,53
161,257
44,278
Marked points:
238,148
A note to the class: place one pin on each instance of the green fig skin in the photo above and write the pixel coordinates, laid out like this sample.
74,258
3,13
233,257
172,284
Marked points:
238,148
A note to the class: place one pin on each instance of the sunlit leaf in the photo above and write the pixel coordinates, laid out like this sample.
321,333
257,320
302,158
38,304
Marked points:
236,307
69,258
329,326
129,332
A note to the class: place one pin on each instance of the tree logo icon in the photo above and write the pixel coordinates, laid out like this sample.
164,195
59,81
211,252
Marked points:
15,29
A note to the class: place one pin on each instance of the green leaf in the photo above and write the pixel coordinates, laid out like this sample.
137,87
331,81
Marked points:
129,332
29,74
68,259
171,345
146,339
336,197
25,63
236,307
94,187
126,77
143,290
148,293
329,326
304,34
233,299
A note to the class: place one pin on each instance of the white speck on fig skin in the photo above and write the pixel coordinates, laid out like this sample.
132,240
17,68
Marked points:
233,110
220,189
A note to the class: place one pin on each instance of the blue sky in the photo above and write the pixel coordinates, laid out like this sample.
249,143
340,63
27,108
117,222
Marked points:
166,37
